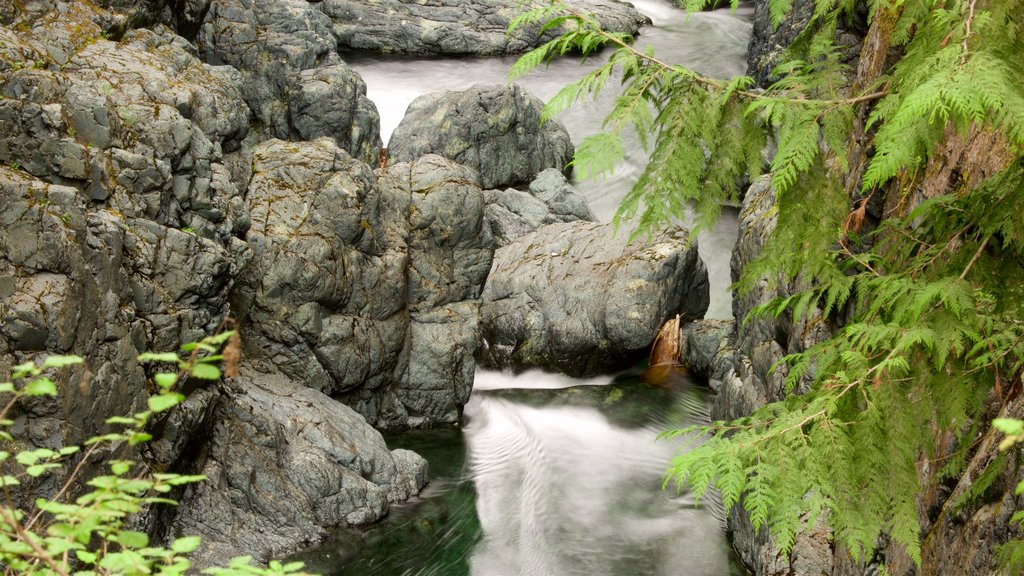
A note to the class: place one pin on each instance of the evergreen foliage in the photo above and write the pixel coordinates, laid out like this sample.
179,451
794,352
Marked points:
927,301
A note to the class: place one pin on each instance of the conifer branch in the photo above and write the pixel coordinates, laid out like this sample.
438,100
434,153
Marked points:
967,32
977,255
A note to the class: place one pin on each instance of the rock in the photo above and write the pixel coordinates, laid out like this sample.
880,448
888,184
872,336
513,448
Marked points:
284,463
550,199
325,294
449,256
576,298
495,130
140,125
442,27
269,42
753,376
290,73
708,349
331,101
768,42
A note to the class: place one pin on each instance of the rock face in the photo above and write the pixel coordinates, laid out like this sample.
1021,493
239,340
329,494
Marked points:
575,298
450,251
512,213
495,130
127,225
445,27
326,287
283,462
289,72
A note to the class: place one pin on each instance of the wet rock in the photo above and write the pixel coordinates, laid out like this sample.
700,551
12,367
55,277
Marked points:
284,463
441,27
708,349
512,213
325,293
576,298
495,130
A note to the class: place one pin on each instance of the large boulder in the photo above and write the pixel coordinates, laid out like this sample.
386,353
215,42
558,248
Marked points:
496,130
445,27
449,256
331,101
325,295
284,462
578,298
550,198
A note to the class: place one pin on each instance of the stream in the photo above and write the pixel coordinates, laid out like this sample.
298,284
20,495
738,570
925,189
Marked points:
552,476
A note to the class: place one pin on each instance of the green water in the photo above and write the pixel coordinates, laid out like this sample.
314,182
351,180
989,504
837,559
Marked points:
545,480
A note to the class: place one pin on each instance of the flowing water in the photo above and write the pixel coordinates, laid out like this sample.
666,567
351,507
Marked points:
552,476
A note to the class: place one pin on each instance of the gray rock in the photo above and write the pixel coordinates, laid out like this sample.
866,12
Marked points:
768,42
331,101
449,256
140,126
325,293
754,377
707,349
495,130
575,298
512,213
284,463
269,42
446,27
276,45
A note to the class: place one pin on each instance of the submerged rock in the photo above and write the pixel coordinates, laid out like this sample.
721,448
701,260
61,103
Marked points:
284,463
577,298
465,27
496,130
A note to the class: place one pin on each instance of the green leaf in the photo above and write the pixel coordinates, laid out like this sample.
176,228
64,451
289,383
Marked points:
186,544
159,357
120,467
86,556
165,380
205,372
1009,426
221,338
61,361
139,438
37,470
163,402
132,539
40,387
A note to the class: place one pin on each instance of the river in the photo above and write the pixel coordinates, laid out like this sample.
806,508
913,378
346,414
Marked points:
552,476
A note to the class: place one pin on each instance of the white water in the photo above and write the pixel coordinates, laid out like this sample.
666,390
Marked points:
713,43
562,491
